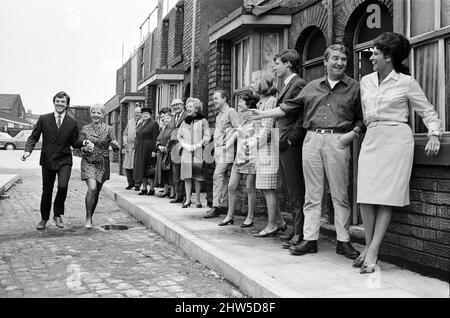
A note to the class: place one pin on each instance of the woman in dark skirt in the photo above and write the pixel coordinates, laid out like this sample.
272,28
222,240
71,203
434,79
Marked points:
164,174
147,132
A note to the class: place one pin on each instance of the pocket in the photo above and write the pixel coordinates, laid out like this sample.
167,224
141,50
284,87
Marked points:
308,138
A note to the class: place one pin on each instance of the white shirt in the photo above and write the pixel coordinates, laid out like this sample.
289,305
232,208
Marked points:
332,83
288,79
62,116
390,100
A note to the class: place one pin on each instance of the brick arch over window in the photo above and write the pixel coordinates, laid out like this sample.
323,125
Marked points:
347,18
315,16
311,33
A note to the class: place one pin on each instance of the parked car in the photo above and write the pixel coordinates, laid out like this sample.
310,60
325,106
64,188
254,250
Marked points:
18,142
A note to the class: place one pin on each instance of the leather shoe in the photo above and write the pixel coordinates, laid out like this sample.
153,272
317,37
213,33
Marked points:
41,225
129,187
213,213
346,249
179,200
303,248
58,221
295,240
137,188
287,237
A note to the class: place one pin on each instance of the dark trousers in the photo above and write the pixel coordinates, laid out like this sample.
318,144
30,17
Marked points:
48,180
131,181
294,183
178,183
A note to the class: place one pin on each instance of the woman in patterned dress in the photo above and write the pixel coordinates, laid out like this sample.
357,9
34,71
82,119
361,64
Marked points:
95,161
244,164
267,158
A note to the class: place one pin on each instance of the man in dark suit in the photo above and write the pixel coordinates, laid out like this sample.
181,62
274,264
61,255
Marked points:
180,114
59,132
289,122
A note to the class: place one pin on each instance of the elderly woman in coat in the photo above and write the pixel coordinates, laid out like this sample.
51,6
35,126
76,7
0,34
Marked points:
164,144
129,136
193,135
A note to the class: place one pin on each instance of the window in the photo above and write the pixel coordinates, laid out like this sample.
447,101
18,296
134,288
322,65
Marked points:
313,56
269,47
124,86
241,58
142,65
173,92
430,54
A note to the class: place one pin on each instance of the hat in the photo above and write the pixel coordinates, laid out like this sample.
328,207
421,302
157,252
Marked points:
176,101
146,110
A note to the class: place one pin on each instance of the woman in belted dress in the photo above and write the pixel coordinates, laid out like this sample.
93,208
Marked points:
386,158
95,168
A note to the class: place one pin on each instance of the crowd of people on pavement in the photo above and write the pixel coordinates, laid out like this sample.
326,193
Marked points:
300,135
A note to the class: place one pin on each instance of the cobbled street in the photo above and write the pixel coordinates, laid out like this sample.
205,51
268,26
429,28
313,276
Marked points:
77,262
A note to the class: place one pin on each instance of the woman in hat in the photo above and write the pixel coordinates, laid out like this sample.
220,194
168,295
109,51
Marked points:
147,132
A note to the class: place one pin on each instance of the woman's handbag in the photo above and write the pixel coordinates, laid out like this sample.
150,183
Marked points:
150,170
166,162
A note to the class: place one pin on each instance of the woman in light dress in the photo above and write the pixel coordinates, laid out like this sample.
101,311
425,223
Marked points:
386,158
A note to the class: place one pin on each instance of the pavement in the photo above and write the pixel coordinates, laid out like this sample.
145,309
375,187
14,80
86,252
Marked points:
76,262
259,266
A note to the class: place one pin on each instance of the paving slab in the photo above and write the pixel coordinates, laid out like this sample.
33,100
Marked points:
259,266
7,181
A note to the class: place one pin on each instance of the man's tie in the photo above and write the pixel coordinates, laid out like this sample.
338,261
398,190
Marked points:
58,123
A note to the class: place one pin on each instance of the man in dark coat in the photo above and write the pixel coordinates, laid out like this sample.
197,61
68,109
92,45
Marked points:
59,132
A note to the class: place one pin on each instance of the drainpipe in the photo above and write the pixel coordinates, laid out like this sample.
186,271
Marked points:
194,23
330,21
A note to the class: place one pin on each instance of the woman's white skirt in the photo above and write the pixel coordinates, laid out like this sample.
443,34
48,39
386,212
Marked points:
385,164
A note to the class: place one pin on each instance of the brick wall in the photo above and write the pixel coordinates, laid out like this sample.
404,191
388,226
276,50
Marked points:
175,35
123,121
420,233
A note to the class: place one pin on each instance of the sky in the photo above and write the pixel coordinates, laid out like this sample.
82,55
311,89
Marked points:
73,45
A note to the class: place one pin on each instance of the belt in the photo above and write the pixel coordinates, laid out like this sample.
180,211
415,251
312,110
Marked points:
328,131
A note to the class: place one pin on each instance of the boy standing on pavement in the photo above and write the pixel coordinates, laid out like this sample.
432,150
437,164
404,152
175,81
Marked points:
59,132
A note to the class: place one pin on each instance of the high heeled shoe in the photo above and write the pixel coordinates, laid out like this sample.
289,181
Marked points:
143,192
244,225
263,233
151,192
282,228
358,262
199,205
186,205
230,221
368,269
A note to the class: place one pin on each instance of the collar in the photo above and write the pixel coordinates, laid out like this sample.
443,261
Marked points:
393,74
345,79
62,115
224,108
289,78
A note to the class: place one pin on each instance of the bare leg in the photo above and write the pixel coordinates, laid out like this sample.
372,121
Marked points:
166,189
90,201
151,183
272,209
99,188
251,196
381,224
198,188
144,183
232,195
172,190
188,188
368,215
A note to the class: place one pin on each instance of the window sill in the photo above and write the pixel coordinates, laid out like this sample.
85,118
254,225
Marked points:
441,159
176,60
